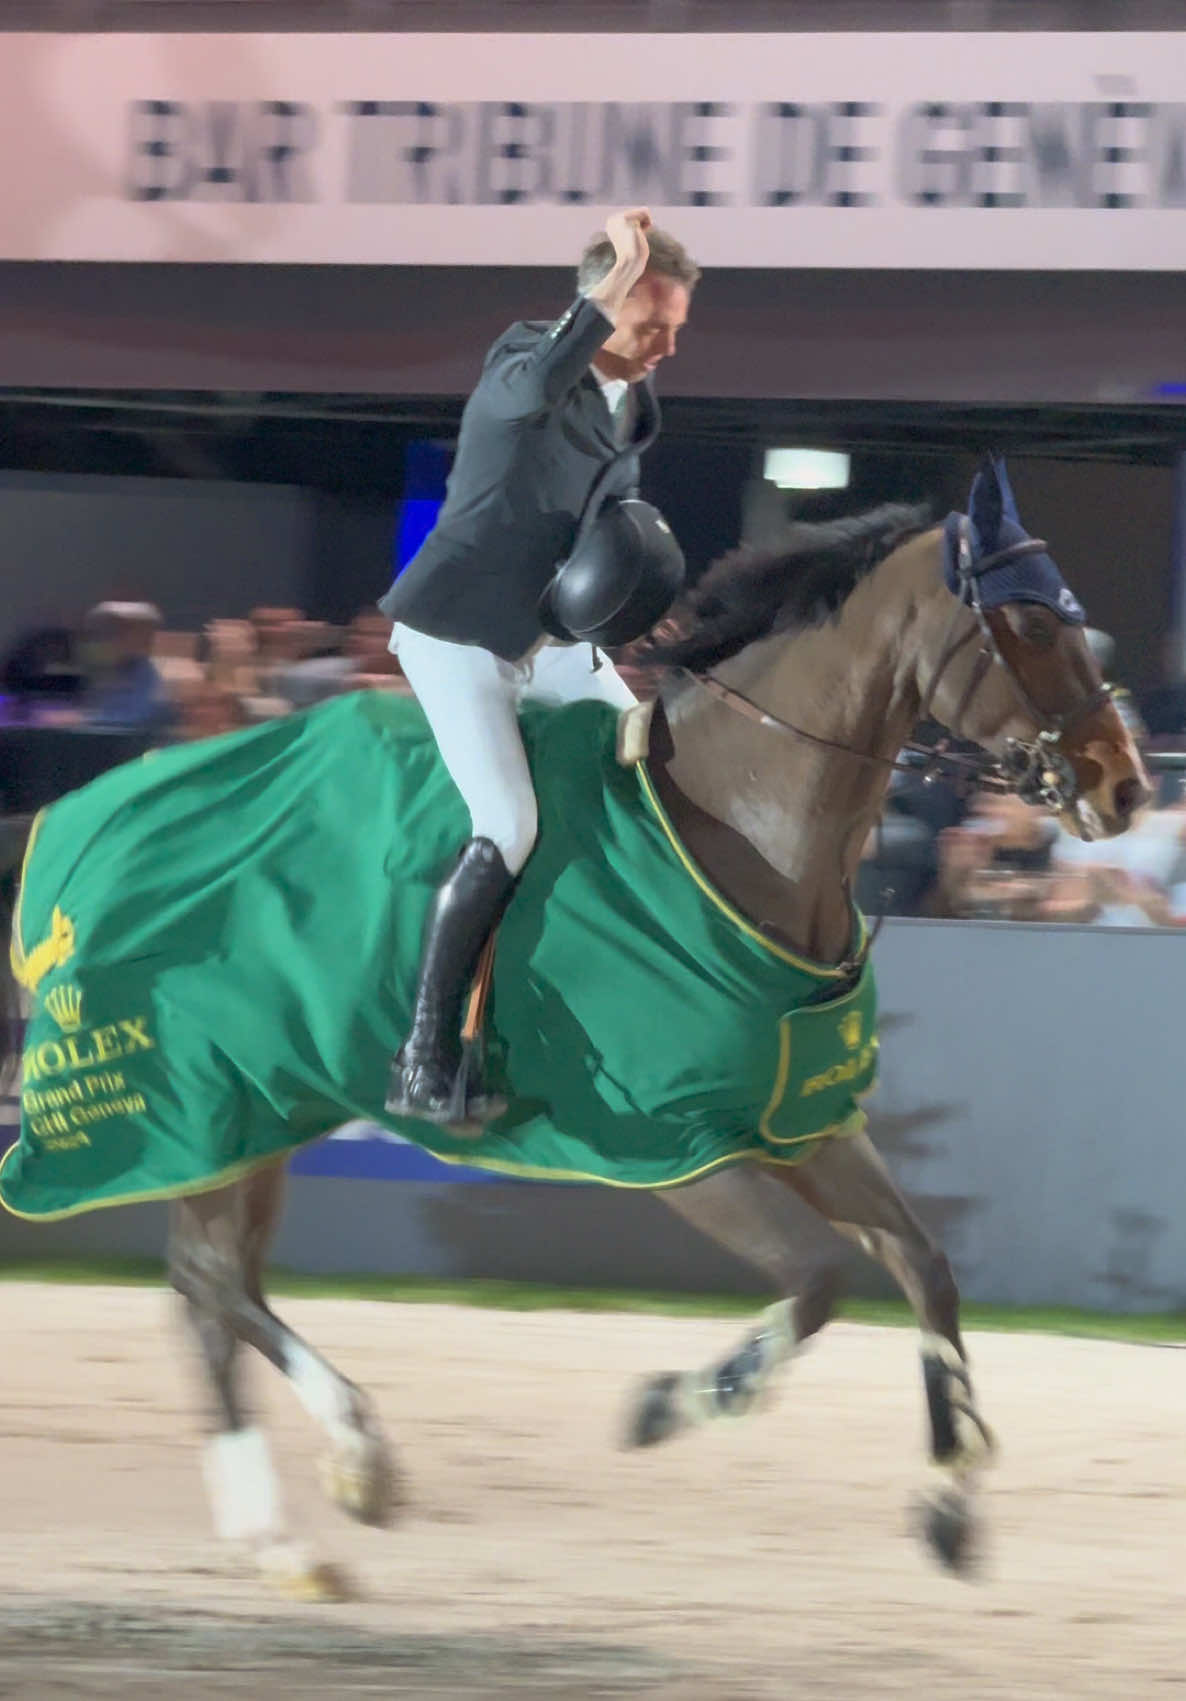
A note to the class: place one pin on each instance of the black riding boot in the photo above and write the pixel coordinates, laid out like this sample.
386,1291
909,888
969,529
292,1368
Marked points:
465,910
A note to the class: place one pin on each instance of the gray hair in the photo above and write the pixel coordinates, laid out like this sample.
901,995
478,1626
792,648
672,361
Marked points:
668,259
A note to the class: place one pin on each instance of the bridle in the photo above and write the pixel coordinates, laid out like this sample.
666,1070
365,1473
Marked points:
1038,770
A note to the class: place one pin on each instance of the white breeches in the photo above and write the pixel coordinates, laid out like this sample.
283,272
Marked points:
471,698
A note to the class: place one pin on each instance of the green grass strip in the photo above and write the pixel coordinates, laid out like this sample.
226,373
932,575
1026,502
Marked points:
1161,1327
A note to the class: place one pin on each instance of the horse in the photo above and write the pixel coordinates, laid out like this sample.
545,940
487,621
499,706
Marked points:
787,687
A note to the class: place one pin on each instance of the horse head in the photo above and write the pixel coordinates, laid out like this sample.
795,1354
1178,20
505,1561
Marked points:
1030,691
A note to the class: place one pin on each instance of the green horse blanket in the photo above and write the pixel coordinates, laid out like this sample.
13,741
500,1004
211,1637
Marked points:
222,939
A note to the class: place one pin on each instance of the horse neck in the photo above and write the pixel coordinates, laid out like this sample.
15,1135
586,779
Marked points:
778,822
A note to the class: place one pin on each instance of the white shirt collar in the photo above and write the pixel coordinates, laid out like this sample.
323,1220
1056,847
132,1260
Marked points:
613,389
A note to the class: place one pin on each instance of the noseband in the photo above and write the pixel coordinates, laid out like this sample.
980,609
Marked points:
1037,770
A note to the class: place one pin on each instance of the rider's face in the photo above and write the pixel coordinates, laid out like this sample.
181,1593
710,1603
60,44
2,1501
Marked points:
650,321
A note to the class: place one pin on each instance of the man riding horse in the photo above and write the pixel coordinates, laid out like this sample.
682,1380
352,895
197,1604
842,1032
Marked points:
546,466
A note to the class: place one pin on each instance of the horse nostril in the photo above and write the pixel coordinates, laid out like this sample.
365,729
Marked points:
1130,794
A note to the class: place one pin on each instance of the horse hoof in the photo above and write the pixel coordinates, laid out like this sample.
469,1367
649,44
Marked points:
950,1531
327,1583
291,1572
656,1414
360,1477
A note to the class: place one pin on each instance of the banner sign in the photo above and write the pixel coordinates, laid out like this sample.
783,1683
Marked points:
953,150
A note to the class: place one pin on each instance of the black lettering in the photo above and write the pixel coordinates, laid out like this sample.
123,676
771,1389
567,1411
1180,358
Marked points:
692,154
790,154
404,152
158,151
998,154
1167,151
636,156
573,165
288,135
1051,155
934,158
1108,127
514,152
842,151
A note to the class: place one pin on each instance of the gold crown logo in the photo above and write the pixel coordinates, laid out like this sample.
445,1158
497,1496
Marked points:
850,1029
64,1004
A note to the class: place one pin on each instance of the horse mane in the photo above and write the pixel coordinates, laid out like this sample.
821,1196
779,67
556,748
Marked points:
751,593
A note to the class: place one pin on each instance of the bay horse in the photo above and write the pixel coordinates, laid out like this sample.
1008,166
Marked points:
792,682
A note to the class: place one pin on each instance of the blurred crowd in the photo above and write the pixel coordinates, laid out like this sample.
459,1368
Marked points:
1001,860
990,857
123,670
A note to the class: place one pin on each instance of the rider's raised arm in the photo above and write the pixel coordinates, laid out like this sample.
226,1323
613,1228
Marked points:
520,381
523,381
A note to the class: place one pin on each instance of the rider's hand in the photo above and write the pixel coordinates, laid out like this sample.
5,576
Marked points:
628,233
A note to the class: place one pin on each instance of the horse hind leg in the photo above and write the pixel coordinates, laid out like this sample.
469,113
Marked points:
735,1209
217,1245
358,1472
206,1256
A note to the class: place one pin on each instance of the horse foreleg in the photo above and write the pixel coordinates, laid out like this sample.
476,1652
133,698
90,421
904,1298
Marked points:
847,1183
735,1208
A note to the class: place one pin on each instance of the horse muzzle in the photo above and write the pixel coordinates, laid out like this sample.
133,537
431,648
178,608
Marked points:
1095,791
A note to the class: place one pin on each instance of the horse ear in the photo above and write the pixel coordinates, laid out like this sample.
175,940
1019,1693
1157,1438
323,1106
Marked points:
986,504
1008,500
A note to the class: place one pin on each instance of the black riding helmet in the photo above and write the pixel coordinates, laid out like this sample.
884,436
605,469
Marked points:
621,578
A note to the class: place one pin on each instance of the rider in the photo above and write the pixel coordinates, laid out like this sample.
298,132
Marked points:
558,410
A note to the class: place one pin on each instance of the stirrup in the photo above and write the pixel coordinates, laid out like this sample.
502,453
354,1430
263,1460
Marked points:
471,1107
465,1109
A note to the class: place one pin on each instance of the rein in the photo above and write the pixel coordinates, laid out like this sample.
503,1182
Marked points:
1038,771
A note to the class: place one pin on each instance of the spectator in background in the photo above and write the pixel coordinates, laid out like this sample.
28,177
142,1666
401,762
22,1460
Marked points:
1137,880
360,659
124,688
207,708
900,868
997,864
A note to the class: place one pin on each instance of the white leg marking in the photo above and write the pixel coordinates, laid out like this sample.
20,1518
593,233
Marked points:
321,1391
244,1493
763,1353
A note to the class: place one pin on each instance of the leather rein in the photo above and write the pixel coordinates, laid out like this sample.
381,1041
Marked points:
1037,770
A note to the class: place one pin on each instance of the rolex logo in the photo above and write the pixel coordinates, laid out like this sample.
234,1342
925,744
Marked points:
64,1004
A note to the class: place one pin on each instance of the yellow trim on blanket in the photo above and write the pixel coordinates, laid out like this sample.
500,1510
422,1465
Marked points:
821,971
854,1124
234,1172
780,1080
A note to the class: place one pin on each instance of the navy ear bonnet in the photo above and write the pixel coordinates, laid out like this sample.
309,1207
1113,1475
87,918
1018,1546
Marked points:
994,526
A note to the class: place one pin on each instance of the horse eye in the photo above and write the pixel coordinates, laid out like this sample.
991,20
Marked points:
1034,631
